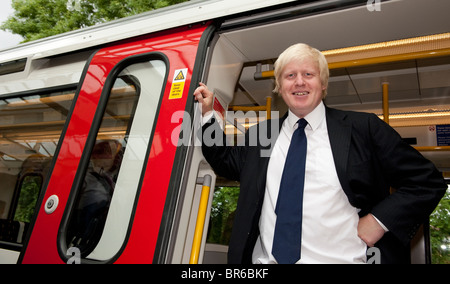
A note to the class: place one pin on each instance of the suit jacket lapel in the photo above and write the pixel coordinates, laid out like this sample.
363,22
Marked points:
340,132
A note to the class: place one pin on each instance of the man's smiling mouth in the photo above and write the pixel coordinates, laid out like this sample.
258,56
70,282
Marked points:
301,93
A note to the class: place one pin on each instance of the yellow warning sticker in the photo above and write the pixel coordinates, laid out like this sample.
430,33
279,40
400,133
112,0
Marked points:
179,78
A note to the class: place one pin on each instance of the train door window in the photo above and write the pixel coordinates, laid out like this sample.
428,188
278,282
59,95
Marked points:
102,212
30,128
28,194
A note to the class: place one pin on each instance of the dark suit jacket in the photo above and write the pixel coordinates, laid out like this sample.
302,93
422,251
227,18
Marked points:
370,158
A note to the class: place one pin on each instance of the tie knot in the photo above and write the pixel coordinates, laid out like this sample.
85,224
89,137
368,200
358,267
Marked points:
302,123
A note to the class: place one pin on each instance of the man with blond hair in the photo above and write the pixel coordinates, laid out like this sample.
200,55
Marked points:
323,195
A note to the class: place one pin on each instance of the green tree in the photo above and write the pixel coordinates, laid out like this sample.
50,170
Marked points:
29,193
440,231
35,19
222,214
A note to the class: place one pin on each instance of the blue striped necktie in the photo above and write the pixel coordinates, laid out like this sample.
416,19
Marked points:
288,228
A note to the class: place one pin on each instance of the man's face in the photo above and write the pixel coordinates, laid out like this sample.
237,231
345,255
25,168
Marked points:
301,87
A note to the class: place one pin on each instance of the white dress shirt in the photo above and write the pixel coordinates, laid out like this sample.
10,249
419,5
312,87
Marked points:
329,225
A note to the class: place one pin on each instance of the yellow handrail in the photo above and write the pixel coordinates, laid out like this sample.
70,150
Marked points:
372,61
267,107
386,102
201,216
432,148
390,58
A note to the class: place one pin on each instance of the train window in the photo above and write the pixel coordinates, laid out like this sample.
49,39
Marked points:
103,209
28,195
222,214
30,128
440,230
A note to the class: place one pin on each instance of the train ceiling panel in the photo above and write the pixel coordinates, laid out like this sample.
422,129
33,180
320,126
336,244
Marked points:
343,28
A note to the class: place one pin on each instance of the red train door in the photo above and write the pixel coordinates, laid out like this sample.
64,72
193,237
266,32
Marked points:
115,169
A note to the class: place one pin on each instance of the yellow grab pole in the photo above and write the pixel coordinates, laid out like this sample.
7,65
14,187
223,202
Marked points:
386,102
269,107
201,216
247,108
432,148
372,61
390,58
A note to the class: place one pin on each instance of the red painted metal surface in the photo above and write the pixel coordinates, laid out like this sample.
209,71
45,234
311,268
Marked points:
180,46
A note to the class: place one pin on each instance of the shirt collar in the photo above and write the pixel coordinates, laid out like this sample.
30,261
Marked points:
314,118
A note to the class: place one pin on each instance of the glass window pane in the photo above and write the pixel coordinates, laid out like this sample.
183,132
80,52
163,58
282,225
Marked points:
222,214
28,195
440,231
102,213
30,128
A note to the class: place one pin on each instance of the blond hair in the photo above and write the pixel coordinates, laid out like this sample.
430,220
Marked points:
301,52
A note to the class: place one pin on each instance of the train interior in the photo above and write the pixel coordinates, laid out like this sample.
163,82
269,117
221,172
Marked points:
418,91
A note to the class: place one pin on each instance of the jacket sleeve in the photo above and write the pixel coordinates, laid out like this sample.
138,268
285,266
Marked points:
417,185
226,160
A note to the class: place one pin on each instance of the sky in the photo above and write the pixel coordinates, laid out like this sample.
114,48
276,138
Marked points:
7,39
